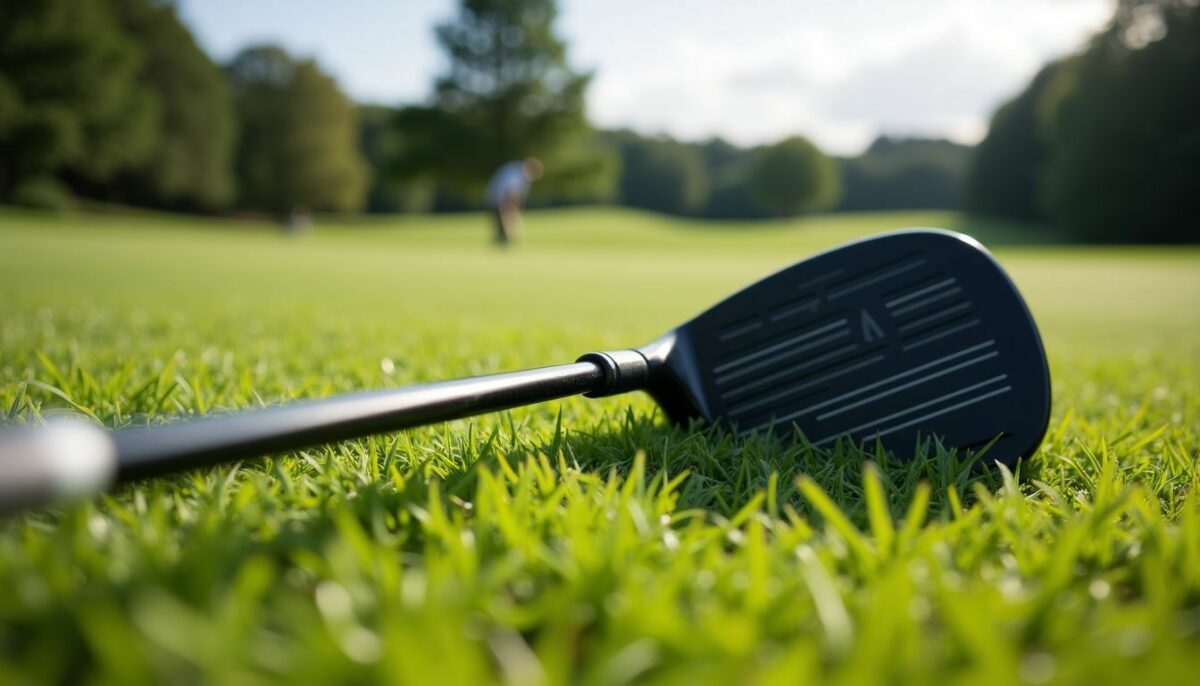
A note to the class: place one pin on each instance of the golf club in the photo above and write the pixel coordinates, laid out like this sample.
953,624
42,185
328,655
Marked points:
898,338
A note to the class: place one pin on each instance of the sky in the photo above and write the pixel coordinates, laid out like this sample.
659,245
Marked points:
840,72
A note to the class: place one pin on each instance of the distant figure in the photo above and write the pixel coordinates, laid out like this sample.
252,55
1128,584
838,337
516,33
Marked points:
299,221
506,193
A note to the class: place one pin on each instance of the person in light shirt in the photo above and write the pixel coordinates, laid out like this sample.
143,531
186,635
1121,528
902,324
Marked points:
506,193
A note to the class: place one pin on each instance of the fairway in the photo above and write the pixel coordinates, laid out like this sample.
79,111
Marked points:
581,540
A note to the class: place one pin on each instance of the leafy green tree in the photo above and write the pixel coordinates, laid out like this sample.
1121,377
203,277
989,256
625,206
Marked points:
719,153
793,176
299,135
659,173
727,167
1003,176
905,173
1123,128
731,195
191,164
508,93
70,98
382,143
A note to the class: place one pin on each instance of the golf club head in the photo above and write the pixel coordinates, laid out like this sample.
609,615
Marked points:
896,338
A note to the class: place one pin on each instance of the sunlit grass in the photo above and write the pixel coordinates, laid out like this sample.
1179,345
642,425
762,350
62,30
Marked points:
582,540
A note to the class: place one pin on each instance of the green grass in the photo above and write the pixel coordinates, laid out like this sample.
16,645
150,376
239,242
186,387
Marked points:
581,540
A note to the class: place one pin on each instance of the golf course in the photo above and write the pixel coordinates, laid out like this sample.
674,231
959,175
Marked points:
577,541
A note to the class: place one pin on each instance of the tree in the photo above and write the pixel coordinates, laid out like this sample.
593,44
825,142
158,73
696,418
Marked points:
793,176
905,173
70,100
1003,175
1122,123
659,173
299,135
191,165
727,167
509,93
382,142
731,195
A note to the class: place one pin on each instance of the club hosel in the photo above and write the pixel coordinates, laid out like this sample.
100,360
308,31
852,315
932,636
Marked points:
624,371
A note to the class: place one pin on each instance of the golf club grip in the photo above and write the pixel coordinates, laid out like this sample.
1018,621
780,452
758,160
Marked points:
150,451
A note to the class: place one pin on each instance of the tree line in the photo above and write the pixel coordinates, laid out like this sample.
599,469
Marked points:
717,179
113,100
1105,143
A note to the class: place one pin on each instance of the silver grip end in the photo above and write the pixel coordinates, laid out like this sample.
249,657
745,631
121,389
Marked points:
61,461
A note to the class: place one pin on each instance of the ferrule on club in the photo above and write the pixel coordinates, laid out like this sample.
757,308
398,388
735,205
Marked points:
624,371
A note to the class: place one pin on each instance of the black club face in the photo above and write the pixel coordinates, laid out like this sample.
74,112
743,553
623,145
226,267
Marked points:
896,338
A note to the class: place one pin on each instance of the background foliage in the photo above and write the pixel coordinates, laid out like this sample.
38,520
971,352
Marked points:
1107,143
70,98
1003,178
190,165
299,135
793,176
905,173
1099,146
508,94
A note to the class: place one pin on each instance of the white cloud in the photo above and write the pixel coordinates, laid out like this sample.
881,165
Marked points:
945,86
840,73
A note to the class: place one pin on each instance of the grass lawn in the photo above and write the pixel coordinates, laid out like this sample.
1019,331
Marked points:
578,540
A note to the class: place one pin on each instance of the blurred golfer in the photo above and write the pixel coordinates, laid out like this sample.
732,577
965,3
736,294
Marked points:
506,193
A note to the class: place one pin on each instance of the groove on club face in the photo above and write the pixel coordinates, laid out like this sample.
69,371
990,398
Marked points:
898,338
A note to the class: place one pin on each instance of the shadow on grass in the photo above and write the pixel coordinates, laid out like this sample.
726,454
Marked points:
386,482
725,472
199,528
